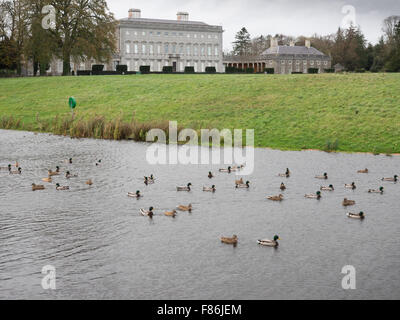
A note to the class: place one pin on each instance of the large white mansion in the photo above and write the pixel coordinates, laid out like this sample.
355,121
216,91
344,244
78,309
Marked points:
158,43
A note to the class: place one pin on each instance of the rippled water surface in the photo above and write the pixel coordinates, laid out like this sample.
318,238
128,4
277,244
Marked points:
102,248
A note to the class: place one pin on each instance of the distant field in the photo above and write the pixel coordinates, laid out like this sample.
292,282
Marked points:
360,111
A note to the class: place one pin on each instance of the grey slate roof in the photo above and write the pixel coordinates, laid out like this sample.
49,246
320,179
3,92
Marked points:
293,50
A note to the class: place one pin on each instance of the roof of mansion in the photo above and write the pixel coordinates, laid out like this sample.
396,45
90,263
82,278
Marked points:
293,50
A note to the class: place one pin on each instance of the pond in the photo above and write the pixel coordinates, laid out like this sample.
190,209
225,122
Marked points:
102,248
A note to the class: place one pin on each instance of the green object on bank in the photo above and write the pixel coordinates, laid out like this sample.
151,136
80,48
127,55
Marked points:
72,102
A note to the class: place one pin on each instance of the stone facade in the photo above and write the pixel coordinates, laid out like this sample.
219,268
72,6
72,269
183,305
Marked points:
177,43
283,59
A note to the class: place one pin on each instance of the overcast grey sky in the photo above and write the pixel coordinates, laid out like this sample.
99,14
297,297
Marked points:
261,17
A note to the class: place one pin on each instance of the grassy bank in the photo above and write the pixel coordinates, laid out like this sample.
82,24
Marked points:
349,112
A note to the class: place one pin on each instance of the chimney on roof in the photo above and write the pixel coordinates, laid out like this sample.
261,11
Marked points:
292,43
134,13
308,44
274,43
182,16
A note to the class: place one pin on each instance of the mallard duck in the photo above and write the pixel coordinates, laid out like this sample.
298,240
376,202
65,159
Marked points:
276,198
69,175
363,171
61,188
185,208
49,180
170,213
6,168
210,175
243,185
324,176
269,243
229,170
54,173
212,189
380,190
148,213
316,195
356,215
286,174
149,180
350,186
347,202
19,171
89,182
98,162
187,188
36,187
394,179
238,167
240,181
330,188
232,240
69,161
135,195
282,187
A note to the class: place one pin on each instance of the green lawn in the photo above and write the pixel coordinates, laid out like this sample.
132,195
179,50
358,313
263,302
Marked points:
361,111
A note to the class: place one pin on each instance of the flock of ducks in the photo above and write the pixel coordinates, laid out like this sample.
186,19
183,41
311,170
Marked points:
16,169
49,178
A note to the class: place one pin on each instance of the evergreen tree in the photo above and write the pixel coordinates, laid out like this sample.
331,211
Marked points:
242,43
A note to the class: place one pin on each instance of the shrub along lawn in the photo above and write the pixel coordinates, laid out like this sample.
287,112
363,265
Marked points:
360,111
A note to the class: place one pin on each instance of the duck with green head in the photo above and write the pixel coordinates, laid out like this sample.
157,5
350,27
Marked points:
61,188
359,215
316,195
350,186
184,188
270,243
380,190
329,188
324,176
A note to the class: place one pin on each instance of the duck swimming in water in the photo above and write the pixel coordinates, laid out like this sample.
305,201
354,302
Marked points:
210,175
170,213
282,187
356,215
54,173
182,188
243,185
49,180
316,195
269,243
350,186
229,170
276,198
394,179
185,208
363,171
286,174
346,202
135,195
148,213
69,175
233,240
380,190
89,182
240,181
324,176
212,189
61,188
330,188
36,187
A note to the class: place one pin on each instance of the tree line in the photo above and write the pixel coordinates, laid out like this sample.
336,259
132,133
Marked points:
81,30
347,47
